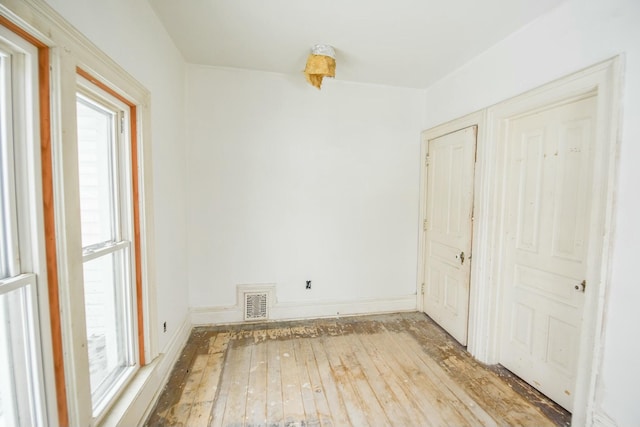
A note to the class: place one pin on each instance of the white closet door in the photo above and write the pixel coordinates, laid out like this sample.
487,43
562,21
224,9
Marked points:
448,229
550,161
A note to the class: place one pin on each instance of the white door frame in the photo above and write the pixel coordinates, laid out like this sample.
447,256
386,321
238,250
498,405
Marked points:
605,79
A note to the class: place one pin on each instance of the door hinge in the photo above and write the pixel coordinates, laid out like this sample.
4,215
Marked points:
422,289
122,122
426,160
424,225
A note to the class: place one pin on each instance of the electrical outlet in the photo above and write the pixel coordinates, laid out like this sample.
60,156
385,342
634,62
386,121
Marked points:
308,284
164,326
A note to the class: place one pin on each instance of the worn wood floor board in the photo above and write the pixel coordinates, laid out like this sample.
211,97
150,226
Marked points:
457,399
172,408
256,410
211,376
398,383
389,400
436,401
323,412
306,387
371,400
490,391
334,351
230,410
394,369
335,402
275,408
291,387
401,404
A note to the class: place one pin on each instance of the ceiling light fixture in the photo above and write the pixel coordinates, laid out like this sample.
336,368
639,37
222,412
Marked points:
320,64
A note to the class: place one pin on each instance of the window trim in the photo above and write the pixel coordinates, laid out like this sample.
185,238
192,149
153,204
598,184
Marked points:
123,228
39,255
135,177
61,49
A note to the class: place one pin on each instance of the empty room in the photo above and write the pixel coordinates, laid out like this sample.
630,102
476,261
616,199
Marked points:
287,213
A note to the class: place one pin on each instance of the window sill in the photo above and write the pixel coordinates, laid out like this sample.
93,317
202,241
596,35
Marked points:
135,399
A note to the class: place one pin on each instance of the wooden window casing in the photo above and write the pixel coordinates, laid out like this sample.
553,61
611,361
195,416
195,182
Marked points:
44,102
133,123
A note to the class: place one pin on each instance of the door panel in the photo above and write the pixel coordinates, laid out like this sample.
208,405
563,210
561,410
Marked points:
448,230
546,238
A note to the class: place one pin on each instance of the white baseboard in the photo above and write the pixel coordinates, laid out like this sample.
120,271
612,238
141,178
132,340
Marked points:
305,310
600,419
136,403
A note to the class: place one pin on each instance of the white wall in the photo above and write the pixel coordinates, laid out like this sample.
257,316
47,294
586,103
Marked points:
577,34
288,184
130,33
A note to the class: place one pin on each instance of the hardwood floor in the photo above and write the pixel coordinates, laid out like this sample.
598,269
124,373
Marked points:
396,369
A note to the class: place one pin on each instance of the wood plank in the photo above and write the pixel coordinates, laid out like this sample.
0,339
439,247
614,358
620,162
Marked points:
194,378
398,369
306,388
333,397
371,403
434,403
396,404
293,405
167,411
275,404
256,411
333,348
305,350
459,401
483,386
201,411
229,409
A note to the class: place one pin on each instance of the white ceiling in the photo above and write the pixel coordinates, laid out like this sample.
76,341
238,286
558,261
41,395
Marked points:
410,43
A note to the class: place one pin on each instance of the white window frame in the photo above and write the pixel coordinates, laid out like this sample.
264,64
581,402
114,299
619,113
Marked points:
26,266
123,239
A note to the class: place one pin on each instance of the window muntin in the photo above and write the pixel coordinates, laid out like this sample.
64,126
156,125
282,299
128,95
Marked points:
106,223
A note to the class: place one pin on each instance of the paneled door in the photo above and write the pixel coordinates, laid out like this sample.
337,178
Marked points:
546,241
448,229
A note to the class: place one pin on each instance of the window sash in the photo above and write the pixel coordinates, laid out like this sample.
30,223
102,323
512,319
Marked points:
22,398
110,328
109,147
20,392
9,246
108,261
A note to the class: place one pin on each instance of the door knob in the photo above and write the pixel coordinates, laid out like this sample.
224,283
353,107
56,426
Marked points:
460,256
582,286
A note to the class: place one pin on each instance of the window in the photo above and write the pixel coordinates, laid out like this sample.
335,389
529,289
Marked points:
106,214
21,372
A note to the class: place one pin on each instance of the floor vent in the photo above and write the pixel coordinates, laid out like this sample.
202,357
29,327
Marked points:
256,301
255,305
